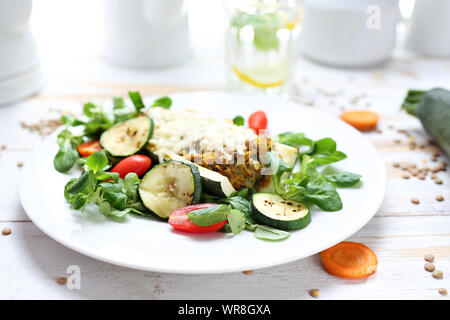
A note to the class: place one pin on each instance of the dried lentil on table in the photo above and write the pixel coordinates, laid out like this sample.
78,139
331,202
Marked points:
61,280
314,293
437,274
429,267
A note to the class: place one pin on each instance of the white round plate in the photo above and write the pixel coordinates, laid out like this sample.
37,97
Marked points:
148,244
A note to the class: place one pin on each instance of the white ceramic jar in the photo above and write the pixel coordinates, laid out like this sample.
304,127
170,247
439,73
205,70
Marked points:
20,72
429,32
349,33
146,33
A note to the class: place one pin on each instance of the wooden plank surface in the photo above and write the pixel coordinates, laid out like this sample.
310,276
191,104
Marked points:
399,243
400,234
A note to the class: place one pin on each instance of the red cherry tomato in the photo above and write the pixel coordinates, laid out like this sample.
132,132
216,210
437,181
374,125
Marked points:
257,121
137,163
88,148
180,221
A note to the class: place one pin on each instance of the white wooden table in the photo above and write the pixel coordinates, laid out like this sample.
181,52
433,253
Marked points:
401,233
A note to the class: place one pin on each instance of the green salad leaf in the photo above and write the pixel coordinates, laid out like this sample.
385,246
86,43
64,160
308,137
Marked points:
163,102
239,120
324,152
114,196
298,140
308,184
118,103
97,161
67,154
136,98
268,233
236,219
343,179
209,216
98,120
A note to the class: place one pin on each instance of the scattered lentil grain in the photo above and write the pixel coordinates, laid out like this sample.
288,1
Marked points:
20,164
61,280
437,274
6,231
438,181
396,164
442,291
429,267
314,293
248,271
415,200
440,198
405,176
43,127
429,258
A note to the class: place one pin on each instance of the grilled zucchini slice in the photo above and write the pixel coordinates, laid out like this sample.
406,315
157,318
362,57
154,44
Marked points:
128,137
272,210
213,182
169,186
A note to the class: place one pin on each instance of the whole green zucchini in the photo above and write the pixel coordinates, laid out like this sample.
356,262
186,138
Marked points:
433,110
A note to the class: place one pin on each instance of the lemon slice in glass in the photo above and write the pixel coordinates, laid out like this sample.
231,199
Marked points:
263,75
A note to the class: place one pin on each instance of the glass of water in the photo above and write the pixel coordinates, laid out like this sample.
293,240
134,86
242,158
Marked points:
261,40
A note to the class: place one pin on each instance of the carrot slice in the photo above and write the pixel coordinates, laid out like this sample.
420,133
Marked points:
349,260
362,120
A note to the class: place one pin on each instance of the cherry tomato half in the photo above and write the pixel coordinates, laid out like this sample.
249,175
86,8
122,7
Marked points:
88,148
257,121
137,163
179,220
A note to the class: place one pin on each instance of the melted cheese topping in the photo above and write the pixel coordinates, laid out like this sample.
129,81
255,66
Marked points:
186,132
